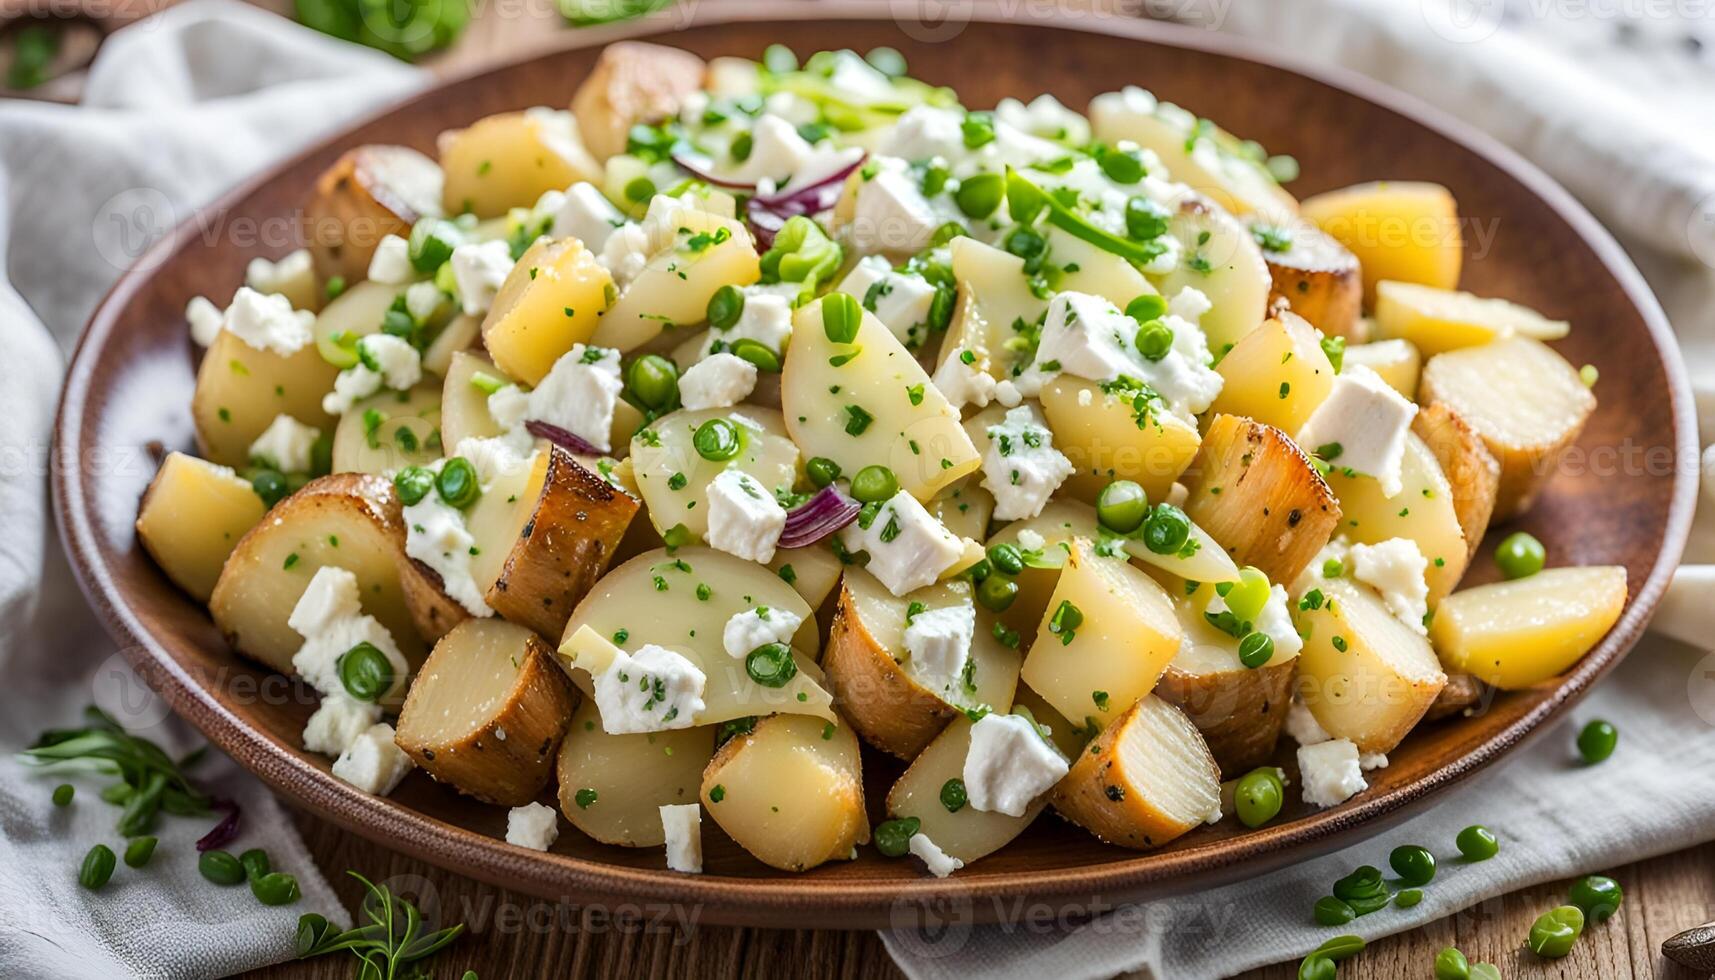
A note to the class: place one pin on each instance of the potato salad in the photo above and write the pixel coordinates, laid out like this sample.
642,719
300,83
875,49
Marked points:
683,453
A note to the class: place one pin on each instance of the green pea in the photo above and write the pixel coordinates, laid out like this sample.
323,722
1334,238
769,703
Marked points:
1450,964
1520,555
457,482
716,440
1317,967
1154,340
841,317
275,888
1006,559
953,794
255,863
1145,219
653,381
979,573
220,867
640,189
1414,864
1598,897
997,593
757,353
725,307
1478,843
63,794
1340,947
412,484
979,195
1122,506
270,485
139,851
1122,166
1147,307
1167,530
1485,971
1597,741
893,837
1365,882
365,672
978,129
1258,796
771,665
1554,932
1256,649
822,471
1409,897
1330,911
873,484
97,867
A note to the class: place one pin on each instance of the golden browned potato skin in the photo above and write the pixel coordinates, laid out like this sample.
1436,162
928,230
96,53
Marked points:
510,757
1462,691
1240,716
1319,280
632,82
369,193
1472,471
1097,794
565,546
883,703
1256,493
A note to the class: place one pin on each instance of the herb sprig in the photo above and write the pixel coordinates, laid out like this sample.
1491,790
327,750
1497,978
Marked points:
391,947
150,780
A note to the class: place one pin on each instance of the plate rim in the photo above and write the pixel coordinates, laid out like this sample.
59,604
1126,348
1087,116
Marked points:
842,902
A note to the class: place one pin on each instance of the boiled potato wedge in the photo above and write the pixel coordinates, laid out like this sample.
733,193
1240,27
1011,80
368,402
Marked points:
1396,361
388,431
1426,510
1365,675
464,405
192,517
966,833
674,480
612,786
1520,633
1313,275
632,82
1401,230
1145,780
1473,474
1254,491
509,160
1440,320
369,193
1106,637
1526,402
552,299
675,286
486,712
1220,259
1114,437
880,689
461,333
790,792
993,295
240,390
1277,374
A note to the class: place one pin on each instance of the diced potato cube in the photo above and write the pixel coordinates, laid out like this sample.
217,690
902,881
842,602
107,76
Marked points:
706,253
240,390
1425,510
1112,437
509,160
1365,675
193,515
790,792
1276,374
1396,361
1402,230
1146,780
1438,320
552,299
1516,634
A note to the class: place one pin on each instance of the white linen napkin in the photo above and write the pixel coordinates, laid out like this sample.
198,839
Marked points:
1649,174
178,108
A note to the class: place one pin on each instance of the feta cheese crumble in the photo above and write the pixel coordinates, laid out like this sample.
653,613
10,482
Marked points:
384,361
939,862
293,277
683,825
1021,467
899,300
373,762
339,721
717,381
744,518
908,548
937,646
1275,621
1396,568
766,319
1302,725
652,690
268,322
391,262
1331,772
579,395
891,214
1009,765
435,534
1363,426
479,270
205,320
964,384
286,445
587,215
532,825
758,627
330,618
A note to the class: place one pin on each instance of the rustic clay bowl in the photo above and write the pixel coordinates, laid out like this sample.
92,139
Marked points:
130,386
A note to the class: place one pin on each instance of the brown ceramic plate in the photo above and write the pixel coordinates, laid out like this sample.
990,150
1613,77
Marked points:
131,380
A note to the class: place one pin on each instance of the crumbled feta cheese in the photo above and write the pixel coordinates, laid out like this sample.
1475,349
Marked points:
338,722
494,457
1275,622
744,518
331,595
939,863
580,394
509,406
626,253
924,132
1362,425
899,300
963,384
937,644
1009,765
682,823
776,152
652,690
1303,727
268,322
1088,337
436,536
351,386
205,319
717,381
372,762
891,214
908,548
1045,118
587,215
1021,467
532,825
1029,539
287,445
1372,760
293,277
758,627
1331,772
479,270
1396,568
1008,395
393,358
330,618
422,299
767,319
391,263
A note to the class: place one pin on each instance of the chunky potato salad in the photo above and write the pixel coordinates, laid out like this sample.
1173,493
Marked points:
750,421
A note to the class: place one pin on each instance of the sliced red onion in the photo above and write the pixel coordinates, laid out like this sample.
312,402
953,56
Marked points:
816,518
696,167
224,832
560,437
767,213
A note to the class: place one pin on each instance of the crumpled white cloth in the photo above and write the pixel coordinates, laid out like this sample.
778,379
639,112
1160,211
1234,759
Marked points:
1650,176
178,108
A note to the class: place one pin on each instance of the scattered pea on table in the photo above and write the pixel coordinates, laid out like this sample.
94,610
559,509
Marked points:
1478,843
1597,740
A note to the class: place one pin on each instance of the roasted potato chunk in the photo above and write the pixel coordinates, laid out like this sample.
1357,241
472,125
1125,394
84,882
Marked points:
551,300
1146,779
1403,230
1238,709
1440,320
632,82
194,513
369,193
1313,274
966,833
